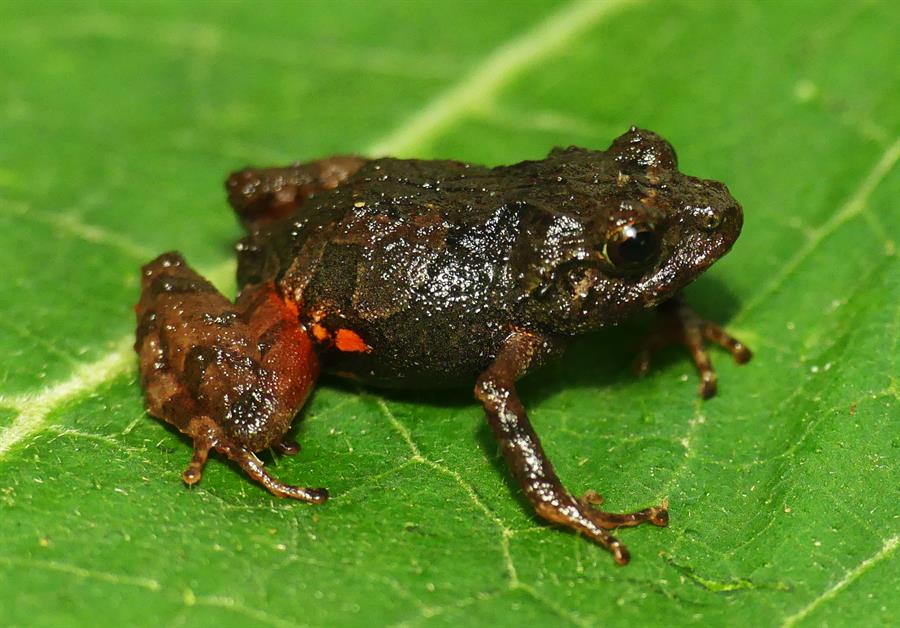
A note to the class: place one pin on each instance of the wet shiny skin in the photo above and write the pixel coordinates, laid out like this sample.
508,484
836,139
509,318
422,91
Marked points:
409,273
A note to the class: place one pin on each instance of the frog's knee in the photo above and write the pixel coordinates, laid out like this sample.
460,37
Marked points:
169,274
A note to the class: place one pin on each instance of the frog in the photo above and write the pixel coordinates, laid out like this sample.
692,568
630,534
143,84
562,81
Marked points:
414,274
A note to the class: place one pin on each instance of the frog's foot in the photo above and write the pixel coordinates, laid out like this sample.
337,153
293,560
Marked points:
526,458
206,440
231,376
261,195
682,325
255,468
582,515
657,515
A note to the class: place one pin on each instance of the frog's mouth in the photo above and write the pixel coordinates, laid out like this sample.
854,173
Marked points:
699,246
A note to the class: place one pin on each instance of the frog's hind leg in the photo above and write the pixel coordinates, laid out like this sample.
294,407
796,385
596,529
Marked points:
231,376
261,195
203,443
526,458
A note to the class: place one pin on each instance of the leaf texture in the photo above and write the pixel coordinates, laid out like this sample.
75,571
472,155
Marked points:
119,122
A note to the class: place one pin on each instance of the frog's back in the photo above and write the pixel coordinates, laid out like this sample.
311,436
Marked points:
402,273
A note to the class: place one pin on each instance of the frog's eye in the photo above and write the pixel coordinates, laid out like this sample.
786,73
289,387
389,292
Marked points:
632,247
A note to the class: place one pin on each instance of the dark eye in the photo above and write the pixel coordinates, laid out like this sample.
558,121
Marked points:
632,247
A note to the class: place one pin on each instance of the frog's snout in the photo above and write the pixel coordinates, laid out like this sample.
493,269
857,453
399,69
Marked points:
720,217
736,213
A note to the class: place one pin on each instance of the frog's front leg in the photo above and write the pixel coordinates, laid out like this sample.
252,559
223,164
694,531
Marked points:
260,195
526,458
229,375
681,325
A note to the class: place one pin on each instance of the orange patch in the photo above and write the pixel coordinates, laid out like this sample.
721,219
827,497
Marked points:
320,332
349,340
291,307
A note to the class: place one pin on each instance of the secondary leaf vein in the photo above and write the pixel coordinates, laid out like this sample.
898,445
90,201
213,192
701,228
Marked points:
886,551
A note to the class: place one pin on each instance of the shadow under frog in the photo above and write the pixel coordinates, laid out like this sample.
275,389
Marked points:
411,274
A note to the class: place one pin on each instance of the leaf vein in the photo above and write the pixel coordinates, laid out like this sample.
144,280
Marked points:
34,409
468,489
887,549
81,572
70,224
854,206
495,72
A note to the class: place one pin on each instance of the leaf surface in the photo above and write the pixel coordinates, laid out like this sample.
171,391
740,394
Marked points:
119,122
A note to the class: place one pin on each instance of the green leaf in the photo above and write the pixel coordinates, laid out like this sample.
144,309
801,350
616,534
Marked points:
118,124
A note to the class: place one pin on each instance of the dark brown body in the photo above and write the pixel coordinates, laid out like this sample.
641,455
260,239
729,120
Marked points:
434,263
408,273
428,285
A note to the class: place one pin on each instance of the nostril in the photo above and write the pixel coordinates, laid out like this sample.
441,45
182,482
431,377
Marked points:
707,217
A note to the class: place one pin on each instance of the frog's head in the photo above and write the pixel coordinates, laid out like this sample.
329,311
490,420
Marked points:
635,229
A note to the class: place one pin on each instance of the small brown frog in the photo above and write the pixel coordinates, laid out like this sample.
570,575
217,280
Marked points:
410,273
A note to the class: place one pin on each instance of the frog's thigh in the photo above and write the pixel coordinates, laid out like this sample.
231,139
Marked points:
230,376
526,458
260,195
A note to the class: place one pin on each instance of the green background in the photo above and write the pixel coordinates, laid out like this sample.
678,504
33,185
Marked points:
118,123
